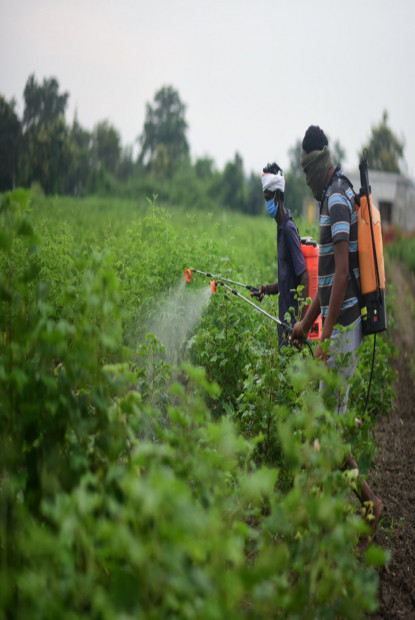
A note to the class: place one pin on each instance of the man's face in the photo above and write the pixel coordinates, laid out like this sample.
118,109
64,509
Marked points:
269,195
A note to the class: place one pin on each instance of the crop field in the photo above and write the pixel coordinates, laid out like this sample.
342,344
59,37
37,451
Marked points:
160,457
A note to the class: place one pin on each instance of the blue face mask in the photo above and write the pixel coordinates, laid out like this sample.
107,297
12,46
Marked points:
272,208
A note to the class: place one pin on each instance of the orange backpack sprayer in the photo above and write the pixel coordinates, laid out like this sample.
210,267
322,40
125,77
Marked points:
370,251
371,294
309,248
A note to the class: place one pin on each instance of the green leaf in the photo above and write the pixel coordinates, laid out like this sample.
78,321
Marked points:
377,556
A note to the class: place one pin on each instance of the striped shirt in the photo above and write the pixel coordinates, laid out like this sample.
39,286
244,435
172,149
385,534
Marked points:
338,222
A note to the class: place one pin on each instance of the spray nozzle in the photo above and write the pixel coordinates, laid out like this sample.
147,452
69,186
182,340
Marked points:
188,275
213,286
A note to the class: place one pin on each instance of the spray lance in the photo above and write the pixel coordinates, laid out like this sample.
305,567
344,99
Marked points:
214,284
254,290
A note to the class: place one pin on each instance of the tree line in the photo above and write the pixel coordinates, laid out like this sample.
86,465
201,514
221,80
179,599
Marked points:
41,149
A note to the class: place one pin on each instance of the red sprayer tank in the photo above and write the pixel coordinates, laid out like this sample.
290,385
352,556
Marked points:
309,248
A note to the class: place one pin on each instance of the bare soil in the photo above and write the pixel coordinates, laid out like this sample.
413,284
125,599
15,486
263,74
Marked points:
393,474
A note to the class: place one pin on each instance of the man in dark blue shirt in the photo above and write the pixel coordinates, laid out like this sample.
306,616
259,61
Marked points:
292,270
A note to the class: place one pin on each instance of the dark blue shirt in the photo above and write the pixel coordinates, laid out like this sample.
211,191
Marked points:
291,265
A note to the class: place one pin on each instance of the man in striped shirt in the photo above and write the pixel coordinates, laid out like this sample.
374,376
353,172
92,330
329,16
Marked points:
338,223
337,289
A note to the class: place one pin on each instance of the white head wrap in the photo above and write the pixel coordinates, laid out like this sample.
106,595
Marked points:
272,182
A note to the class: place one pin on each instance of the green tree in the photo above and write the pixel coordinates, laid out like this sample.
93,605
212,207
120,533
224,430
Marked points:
10,142
294,154
165,125
45,153
204,167
160,163
384,149
126,166
106,146
47,156
296,189
43,103
80,159
233,185
255,199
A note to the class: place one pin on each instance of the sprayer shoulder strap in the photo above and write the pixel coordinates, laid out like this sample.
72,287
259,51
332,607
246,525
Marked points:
356,286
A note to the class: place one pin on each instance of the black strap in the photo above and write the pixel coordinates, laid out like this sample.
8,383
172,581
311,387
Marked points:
358,288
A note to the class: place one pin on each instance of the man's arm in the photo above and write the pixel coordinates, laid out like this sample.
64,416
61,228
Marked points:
338,291
267,289
301,329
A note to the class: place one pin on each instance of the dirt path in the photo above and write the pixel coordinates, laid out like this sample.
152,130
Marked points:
393,476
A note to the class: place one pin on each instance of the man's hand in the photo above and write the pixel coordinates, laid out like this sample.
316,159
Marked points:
319,353
262,292
298,335
267,289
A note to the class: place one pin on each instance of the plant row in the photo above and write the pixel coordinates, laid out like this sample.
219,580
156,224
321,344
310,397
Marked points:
194,474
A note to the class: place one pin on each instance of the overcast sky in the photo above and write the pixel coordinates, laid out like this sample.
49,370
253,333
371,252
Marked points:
253,74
